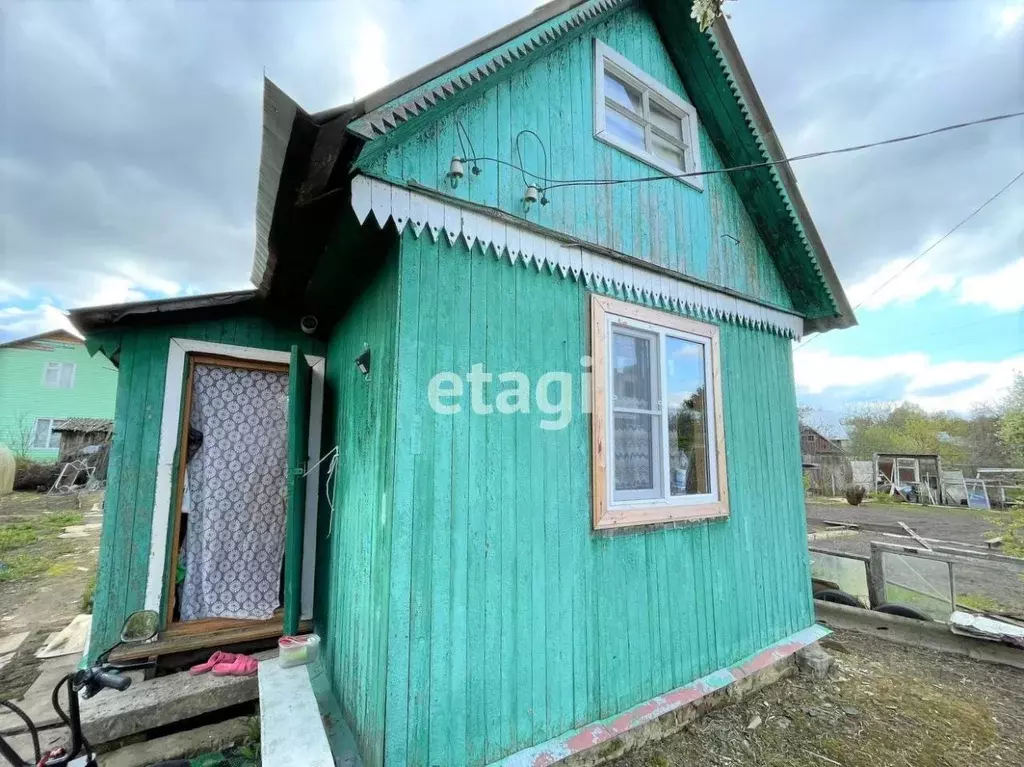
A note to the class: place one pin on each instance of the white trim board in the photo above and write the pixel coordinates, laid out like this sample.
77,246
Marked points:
169,432
408,208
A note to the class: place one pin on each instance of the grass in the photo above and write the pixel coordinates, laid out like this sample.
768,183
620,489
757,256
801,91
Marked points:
89,594
22,534
23,566
981,603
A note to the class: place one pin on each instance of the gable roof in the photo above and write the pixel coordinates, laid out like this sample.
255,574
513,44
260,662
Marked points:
38,341
305,156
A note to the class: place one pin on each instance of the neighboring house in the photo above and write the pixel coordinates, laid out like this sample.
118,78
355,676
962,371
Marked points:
45,379
491,567
825,461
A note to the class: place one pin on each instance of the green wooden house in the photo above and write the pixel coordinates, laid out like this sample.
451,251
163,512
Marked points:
45,380
540,471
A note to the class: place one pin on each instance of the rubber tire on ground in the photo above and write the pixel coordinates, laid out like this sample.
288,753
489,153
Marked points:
838,597
903,611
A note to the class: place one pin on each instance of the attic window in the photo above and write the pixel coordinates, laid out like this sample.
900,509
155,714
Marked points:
637,114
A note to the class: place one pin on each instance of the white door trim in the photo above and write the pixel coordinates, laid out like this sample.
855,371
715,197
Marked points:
169,432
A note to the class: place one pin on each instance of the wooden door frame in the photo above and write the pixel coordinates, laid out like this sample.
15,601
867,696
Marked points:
166,499
191,360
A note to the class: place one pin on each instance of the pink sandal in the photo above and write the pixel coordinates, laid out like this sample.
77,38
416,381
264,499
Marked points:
242,665
217,657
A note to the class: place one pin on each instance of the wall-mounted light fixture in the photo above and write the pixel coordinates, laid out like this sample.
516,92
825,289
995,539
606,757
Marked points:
363,362
456,171
530,197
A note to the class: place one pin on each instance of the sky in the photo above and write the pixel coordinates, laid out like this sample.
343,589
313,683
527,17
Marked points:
131,136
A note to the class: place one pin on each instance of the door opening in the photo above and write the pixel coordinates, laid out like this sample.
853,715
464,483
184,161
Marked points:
231,509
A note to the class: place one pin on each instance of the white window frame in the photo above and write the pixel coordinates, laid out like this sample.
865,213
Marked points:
908,463
618,509
59,367
52,437
606,58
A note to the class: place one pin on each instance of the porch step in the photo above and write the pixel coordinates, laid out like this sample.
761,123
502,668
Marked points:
168,699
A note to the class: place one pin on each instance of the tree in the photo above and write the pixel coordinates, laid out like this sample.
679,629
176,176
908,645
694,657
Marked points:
1011,426
705,12
18,436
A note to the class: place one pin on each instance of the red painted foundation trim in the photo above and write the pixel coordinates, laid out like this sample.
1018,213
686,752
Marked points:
591,735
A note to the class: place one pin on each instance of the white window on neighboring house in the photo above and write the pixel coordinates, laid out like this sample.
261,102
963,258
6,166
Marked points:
659,445
59,375
43,435
640,116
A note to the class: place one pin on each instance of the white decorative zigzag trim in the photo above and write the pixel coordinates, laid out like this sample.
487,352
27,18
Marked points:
408,208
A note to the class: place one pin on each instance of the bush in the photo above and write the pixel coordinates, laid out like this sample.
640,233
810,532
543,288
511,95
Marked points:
32,475
855,494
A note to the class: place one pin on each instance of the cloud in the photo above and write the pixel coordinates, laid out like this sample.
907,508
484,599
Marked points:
17,322
909,377
1002,290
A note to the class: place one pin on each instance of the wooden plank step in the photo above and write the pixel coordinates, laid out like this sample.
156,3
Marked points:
170,643
165,700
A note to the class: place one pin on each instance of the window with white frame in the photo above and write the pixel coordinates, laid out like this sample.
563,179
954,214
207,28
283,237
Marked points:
43,435
640,116
59,375
658,432
908,470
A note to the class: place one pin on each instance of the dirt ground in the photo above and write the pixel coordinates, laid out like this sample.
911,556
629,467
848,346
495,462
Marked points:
45,571
941,522
882,705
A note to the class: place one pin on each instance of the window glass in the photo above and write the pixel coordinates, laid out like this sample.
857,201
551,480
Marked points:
687,417
635,451
631,371
623,94
664,120
67,372
624,129
43,436
52,377
668,152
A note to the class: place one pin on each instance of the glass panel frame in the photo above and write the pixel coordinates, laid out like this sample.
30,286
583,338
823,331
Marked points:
660,107
621,325
655,411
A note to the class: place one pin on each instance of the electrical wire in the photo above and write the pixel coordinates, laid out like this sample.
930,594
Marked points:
519,153
556,183
930,248
33,731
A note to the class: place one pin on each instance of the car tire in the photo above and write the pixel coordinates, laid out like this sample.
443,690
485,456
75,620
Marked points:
903,611
838,597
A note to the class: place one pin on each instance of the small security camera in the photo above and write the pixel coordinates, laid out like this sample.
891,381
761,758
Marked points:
308,324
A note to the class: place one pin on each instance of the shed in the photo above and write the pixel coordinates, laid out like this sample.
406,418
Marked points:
77,433
524,454
921,472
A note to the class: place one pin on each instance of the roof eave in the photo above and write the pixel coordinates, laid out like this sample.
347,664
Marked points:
89,319
741,75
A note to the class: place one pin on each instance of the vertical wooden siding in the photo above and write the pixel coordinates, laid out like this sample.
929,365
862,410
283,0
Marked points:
666,222
354,561
131,480
510,621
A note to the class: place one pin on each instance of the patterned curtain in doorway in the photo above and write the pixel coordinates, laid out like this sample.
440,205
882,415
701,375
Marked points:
236,499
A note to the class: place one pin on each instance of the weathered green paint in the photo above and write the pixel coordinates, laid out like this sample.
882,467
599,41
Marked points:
667,223
298,445
354,544
131,479
510,621
24,398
